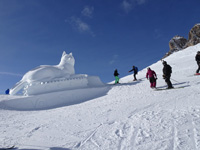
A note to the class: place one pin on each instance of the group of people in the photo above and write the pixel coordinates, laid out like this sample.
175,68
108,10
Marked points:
152,77
134,69
167,70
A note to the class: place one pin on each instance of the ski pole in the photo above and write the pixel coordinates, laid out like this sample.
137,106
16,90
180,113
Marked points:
175,80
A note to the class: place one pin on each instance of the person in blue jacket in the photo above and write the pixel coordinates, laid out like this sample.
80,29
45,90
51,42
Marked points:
135,71
7,91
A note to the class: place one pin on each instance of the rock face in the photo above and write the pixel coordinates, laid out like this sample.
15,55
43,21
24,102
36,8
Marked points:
194,35
178,43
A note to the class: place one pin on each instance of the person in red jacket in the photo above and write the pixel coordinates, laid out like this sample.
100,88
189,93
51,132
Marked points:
151,75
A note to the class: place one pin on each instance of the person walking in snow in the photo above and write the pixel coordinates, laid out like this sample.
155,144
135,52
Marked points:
197,58
151,75
135,71
7,91
167,70
116,76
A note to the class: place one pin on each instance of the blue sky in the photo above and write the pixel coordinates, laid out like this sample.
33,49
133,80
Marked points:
103,35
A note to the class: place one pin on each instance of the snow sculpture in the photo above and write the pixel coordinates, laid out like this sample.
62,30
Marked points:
46,78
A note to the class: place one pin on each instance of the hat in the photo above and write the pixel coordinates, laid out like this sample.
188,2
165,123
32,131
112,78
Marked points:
164,62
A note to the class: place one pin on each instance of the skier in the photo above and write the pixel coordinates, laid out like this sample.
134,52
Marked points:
7,91
167,70
135,71
197,58
116,76
151,75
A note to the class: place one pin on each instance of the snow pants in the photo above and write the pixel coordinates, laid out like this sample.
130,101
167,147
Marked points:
116,79
152,82
198,63
134,75
167,80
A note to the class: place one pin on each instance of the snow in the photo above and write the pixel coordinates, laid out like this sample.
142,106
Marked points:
127,116
46,78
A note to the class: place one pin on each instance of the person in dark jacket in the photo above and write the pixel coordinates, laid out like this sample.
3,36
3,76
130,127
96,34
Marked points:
135,71
167,70
197,58
116,76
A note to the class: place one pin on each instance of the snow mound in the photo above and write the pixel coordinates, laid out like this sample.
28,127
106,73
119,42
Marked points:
53,99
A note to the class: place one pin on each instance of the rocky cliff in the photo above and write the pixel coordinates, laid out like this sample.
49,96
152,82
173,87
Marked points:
178,42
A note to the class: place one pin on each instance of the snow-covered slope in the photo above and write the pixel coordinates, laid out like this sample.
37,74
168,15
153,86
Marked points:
128,116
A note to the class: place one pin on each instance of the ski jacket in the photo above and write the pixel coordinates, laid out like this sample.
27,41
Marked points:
7,91
135,70
197,58
167,70
116,73
150,74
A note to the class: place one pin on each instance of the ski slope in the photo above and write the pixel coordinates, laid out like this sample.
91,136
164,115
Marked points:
127,116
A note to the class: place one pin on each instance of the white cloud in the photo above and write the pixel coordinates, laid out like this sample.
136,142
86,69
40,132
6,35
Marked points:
10,74
88,11
140,2
80,25
114,59
128,5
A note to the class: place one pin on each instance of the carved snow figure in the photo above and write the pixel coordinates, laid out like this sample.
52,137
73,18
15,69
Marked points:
46,78
46,73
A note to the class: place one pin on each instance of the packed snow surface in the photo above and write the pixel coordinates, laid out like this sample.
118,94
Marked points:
127,116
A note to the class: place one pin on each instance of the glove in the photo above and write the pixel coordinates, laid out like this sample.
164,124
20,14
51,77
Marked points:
163,76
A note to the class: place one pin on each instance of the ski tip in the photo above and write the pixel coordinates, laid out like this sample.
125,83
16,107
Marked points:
197,74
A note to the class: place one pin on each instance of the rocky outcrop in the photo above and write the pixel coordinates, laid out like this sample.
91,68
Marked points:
178,43
194,35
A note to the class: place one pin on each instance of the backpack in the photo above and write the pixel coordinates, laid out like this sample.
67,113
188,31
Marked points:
170,69
136,69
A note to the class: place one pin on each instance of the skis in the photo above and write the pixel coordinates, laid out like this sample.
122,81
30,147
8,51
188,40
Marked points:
7,148
196,74
160,89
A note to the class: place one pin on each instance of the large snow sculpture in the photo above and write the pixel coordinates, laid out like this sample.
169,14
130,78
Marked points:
44,78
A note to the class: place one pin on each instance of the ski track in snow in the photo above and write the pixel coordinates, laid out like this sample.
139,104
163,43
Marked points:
130,116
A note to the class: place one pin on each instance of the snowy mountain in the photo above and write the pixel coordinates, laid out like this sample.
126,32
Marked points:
127,116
